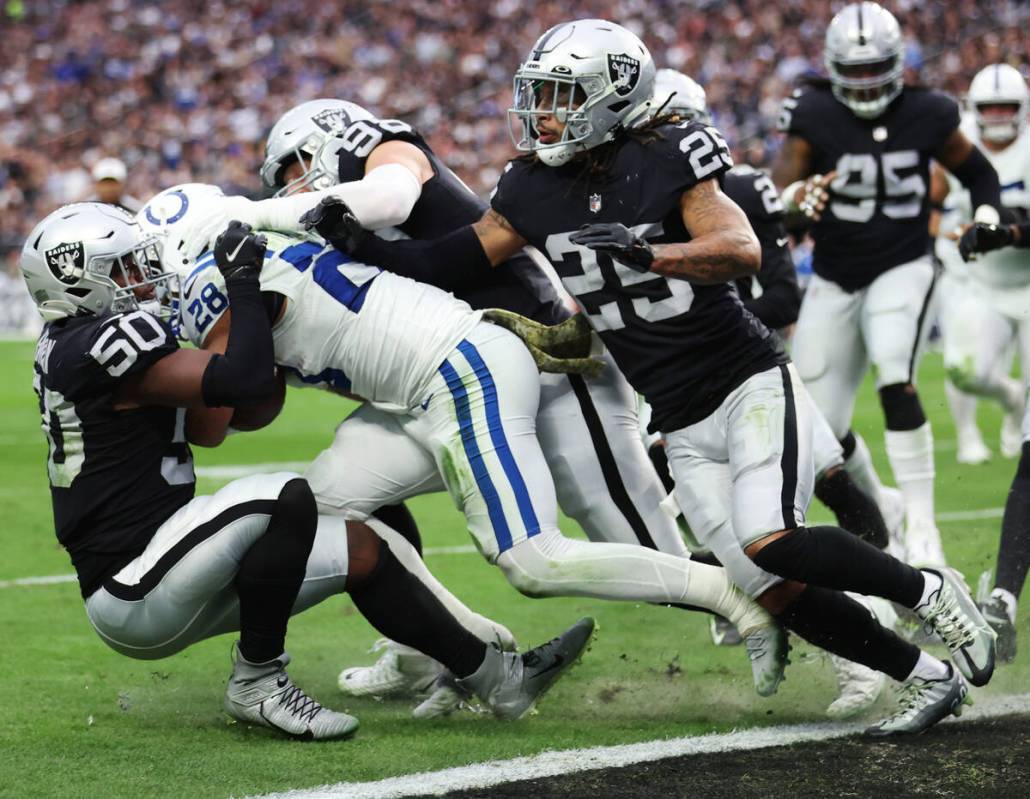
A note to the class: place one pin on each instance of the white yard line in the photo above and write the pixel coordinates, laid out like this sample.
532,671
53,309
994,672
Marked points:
551,764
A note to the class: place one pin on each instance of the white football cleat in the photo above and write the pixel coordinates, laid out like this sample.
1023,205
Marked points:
1011,444
264,694
923,545
951,613
858,688
400,671
972,451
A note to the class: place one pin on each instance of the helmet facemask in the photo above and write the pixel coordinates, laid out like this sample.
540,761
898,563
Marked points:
139,279
318,173
998,121
539,98
867,87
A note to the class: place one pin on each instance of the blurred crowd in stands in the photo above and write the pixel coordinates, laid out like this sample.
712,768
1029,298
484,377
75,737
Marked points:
185,90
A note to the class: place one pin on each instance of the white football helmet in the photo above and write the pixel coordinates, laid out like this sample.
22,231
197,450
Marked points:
92,258
999,85
676,93
309,133
591,75
864,57
185,220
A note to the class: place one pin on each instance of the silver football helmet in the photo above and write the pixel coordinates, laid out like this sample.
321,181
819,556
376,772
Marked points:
1003,87
92,258
308,133
676,93
864,57
590,75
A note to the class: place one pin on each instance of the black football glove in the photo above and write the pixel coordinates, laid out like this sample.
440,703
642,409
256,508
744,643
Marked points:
240,253
617,240
981,238
335,222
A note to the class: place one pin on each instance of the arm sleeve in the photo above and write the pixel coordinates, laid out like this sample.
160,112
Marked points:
450,262
245,375
780,302
383,198
978,175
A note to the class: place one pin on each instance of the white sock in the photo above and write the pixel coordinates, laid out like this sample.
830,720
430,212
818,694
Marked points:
932,583
929,668
860,467
963,411
1009,599
910,453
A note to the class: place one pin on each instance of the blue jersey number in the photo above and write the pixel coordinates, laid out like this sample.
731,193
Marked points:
207,306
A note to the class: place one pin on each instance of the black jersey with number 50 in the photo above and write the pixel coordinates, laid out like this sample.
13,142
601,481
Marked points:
115,475
879,207
445,205
683,346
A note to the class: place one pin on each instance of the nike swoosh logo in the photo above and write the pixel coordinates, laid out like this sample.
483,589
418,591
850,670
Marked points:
781,242
559,661
234,253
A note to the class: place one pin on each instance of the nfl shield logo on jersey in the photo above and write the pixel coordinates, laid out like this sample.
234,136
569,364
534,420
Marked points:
624,72
66,262
595,203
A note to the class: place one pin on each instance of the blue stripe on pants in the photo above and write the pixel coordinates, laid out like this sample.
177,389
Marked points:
500,441
468,438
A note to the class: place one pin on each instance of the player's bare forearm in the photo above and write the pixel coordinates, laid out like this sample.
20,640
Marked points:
499,239
715,258
723,246
793,162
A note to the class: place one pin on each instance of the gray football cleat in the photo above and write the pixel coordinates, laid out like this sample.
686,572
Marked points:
767,649
264,694
951,612
922,703
996,614
510,684
723,631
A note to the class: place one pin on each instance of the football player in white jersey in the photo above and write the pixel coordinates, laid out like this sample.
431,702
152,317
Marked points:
466,393
992,312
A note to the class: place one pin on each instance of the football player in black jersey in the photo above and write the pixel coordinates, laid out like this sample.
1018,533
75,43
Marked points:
856,161
161,569
585,426
629,209
774,297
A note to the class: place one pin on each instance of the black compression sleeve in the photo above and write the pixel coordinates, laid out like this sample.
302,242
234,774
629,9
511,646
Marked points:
246,373
450,262
978,175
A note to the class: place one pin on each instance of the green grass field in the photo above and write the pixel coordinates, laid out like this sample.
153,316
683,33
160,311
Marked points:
80,720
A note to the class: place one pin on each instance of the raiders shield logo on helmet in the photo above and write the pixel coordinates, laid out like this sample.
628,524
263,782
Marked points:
330,120
624,72
66,262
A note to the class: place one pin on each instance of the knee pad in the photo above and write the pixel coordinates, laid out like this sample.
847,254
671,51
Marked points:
780,557
901,407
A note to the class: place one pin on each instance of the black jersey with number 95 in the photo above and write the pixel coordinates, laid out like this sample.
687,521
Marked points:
879,206
115,475
683,346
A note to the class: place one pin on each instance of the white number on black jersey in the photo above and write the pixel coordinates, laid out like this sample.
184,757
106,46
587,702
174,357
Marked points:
707,151
362,137
583,271
854,189
119,345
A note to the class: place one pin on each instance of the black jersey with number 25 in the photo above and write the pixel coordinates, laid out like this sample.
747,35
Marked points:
879,207
683,346
115,475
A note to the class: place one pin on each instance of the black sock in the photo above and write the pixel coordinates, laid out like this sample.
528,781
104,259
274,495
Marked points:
832,558
835,622
1014,547
399,518
856,511
272,572
402,608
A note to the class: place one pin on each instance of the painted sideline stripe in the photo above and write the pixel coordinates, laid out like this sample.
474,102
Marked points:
554,763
